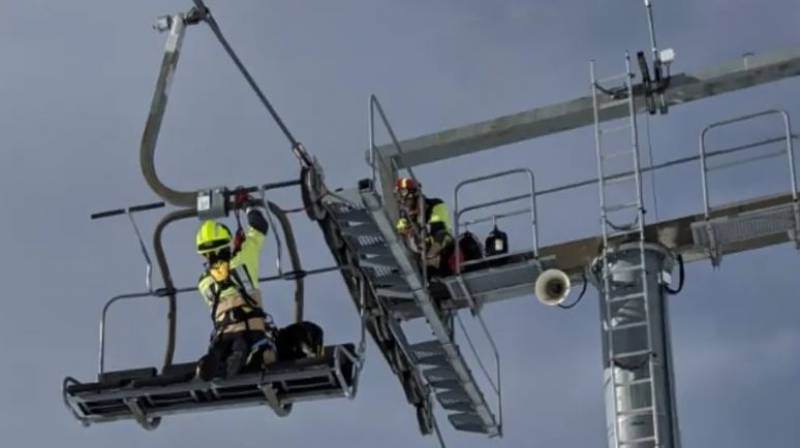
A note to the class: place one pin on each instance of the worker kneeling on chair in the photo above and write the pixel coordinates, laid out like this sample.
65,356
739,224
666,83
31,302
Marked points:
243,334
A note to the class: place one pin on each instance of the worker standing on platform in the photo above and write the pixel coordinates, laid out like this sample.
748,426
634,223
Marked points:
242,333
439,245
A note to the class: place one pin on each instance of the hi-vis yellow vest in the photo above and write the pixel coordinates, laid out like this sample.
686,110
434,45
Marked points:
245,267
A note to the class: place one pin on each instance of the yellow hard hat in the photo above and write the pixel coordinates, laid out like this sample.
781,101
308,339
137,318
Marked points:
211,237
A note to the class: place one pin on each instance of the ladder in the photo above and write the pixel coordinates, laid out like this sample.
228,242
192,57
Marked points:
630,359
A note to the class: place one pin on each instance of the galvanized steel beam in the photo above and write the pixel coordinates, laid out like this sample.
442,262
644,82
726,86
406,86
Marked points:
742,73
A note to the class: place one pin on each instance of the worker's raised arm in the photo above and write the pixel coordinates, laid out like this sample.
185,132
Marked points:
250,252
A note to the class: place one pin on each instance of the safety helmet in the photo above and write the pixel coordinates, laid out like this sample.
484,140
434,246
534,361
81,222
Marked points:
211,237
406,186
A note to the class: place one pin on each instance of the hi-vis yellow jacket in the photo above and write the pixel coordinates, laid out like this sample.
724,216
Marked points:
236,303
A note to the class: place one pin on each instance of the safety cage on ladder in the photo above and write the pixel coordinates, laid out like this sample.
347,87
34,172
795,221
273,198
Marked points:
145,394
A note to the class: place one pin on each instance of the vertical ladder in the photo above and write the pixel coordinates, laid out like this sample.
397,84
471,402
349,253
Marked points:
614,205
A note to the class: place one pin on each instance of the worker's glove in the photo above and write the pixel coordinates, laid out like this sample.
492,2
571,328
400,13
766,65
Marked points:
242,199
403,227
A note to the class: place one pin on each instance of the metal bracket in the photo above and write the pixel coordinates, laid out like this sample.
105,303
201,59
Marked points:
281,409
212,203
796,234
713,247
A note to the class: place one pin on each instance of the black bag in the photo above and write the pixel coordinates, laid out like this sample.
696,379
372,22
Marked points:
469,246
496,242
299,340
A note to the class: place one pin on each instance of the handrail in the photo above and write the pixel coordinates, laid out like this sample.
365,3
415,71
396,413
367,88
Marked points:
177,291
496,386
705,155
102,350
531,195
374,104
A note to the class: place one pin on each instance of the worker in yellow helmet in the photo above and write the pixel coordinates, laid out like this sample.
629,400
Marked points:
242,333
439,244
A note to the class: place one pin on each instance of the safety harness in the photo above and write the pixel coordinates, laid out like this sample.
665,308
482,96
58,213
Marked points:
238,314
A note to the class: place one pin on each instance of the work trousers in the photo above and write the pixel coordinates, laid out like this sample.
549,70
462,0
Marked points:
228,354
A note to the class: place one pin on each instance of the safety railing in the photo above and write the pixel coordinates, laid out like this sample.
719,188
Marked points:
459,213
788,151
375,157
530,209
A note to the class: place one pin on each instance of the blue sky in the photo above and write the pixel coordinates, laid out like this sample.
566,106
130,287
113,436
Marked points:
74,93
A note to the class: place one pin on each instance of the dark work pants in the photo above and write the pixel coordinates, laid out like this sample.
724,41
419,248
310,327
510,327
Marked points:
227,355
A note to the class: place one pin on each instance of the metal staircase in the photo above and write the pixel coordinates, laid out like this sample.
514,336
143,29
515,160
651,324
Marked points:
395,277
627,317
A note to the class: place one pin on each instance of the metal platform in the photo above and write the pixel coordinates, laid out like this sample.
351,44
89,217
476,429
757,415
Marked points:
495,279
394,276
718,233
143,395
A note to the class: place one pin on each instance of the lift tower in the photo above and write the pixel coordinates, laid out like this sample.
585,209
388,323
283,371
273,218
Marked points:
636,257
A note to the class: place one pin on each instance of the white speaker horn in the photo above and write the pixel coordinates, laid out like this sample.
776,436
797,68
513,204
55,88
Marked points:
552,287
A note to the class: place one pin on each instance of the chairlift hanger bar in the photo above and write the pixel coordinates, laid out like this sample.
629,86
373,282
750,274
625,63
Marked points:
176,26
748,71
212,23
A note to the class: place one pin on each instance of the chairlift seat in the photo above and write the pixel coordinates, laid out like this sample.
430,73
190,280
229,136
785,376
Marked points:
140,393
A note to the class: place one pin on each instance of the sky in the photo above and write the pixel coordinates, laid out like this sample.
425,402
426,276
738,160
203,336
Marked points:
75,88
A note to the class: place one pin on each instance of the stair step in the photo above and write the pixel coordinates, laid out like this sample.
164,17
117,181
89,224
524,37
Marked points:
375,249
458,406
468,422
390,280
354,215
361,230
455,401
433,360
404,308
440,373
427,347
399,292
378,261
446,384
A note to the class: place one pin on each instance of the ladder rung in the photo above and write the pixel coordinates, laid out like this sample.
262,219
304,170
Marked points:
625,206
632,354
615,154
628,326
636,295
634,267
620,178
633,382
637,411
612,129
619,233
638,441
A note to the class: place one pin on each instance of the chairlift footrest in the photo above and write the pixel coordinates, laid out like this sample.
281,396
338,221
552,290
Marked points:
177,391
